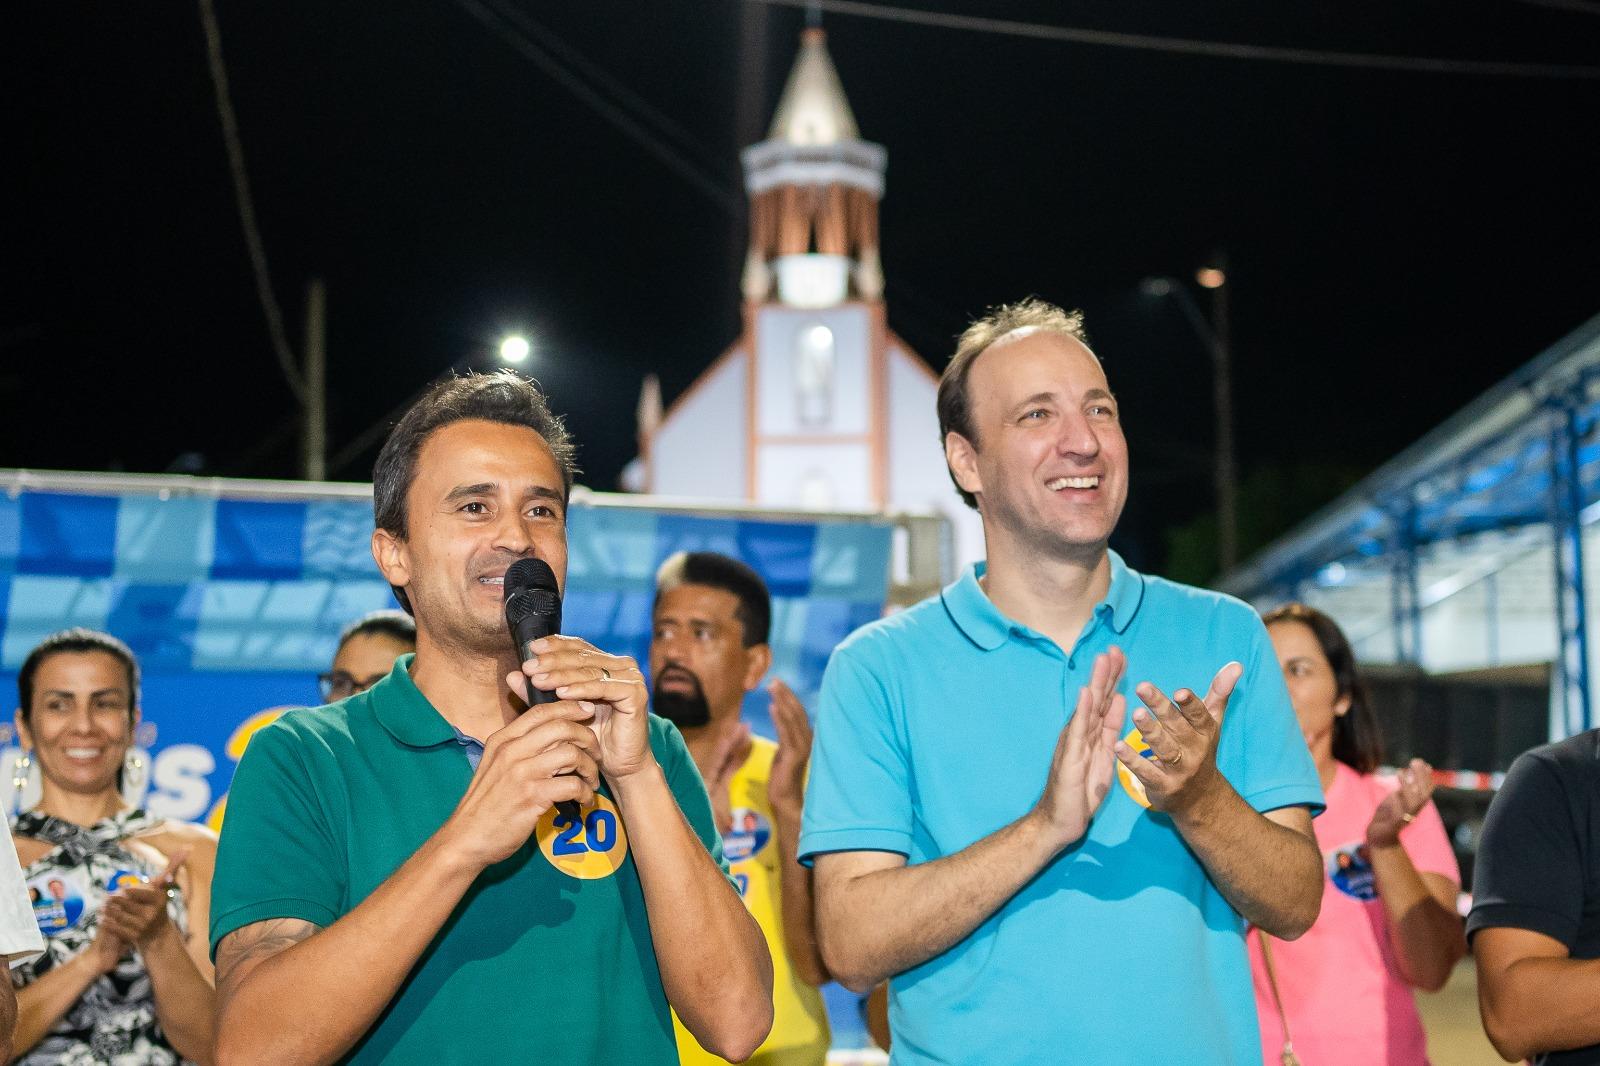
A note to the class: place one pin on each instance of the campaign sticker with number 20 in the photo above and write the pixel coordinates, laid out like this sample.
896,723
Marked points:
589,847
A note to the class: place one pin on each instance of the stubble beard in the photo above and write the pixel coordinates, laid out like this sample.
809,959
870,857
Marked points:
1034,537
460,629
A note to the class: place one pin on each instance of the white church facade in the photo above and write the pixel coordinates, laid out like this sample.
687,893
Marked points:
817,405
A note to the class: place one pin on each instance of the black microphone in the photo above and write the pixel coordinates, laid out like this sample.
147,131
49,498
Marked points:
533,611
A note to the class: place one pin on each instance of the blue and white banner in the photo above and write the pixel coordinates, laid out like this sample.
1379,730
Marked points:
234,605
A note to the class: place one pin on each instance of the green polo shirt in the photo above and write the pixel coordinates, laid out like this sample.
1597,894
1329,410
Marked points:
547,957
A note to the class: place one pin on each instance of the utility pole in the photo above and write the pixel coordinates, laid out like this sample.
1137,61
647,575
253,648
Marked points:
314,435
1215,278
1215,335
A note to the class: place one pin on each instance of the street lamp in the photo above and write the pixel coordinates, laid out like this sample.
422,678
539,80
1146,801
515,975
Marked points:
1215,336
515,349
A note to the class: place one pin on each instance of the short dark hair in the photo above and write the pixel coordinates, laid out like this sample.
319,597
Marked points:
1357,736
76,641
504,397
730,575
396,625
955,402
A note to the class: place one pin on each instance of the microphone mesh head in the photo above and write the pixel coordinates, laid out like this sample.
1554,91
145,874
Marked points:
530,602
530,589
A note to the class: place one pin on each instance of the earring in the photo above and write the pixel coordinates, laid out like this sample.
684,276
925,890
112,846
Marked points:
24,782
135,777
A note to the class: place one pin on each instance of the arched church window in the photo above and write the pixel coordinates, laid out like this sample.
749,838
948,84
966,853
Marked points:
814,373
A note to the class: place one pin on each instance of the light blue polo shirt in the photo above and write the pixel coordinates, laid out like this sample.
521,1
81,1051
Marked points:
935,728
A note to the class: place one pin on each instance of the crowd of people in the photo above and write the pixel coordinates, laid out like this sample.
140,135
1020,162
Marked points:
1062,811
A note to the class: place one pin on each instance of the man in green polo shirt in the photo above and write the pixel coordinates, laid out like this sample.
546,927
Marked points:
395,883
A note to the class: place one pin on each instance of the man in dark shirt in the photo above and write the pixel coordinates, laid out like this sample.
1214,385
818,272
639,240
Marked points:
1535,922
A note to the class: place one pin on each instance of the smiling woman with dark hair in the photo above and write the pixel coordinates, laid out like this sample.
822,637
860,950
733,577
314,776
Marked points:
1388,922
124,895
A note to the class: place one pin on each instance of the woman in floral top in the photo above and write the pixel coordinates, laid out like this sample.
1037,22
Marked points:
120,896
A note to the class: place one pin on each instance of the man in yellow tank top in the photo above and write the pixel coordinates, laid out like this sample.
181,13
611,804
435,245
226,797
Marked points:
708,648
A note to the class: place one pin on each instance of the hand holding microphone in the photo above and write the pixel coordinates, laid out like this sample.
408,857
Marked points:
533,612
555,667
545,758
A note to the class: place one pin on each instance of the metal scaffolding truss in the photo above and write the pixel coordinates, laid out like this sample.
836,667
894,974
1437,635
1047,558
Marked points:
1511,480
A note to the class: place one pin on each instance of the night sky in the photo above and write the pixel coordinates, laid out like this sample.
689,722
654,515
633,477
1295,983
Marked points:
1397,241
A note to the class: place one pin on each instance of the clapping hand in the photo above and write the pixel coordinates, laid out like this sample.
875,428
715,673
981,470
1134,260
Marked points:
137,913
1182,733
1401,806
1081,769
787,785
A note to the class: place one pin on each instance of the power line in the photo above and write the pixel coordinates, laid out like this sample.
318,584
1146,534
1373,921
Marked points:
247,211
586,67
1586,7
708,185
728,196
1184,46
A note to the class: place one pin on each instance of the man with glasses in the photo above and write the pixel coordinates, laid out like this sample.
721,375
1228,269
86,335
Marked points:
367,650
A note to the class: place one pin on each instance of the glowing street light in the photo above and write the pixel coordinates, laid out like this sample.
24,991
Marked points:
1211,277
515,349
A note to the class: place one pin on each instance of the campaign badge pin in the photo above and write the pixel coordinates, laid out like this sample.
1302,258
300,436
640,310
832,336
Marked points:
57,900
749,833
123,879
1350,870
588,847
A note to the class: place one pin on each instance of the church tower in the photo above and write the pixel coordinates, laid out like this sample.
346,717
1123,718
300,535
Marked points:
818,405
814,188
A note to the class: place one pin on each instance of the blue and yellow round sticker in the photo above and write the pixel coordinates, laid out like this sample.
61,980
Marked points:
1350,869
589,847
58,901
1130,784
749,833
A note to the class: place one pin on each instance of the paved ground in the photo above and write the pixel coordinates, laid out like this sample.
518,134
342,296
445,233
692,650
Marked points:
1455,1034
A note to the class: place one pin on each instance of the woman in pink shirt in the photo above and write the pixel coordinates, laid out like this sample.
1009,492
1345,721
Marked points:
1388,922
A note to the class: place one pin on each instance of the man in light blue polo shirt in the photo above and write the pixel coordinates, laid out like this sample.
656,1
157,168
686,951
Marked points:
1041,876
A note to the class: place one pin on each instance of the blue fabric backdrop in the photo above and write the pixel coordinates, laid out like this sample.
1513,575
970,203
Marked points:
233,606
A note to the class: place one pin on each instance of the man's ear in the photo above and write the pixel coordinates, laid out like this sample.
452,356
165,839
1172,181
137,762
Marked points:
393,557
963,460
757,661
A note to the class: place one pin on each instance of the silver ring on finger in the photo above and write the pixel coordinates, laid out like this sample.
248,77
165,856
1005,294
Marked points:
605,675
